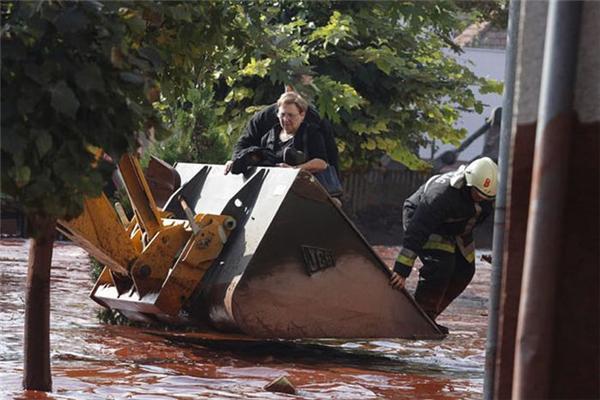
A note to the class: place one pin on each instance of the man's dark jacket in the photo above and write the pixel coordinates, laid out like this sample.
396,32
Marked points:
307,139
264,120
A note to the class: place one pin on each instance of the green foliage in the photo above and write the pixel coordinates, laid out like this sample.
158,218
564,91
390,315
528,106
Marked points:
79,75
195,137
114,317
382,72
83,75
96,269
70,82
494,11
121,197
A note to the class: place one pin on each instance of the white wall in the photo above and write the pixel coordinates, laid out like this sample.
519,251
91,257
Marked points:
487,63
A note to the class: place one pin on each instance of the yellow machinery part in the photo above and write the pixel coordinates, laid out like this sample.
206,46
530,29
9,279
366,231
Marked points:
142,201
167,297
135,234
99,231
151,267
153,263
197,256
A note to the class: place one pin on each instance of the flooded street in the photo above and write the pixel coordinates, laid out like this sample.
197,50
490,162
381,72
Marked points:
95,361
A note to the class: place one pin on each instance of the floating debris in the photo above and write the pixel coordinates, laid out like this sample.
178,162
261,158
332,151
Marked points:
282,385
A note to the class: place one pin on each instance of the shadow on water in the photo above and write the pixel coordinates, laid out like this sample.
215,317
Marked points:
325,352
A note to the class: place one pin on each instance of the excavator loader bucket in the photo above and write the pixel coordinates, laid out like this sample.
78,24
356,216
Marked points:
295,266
268,254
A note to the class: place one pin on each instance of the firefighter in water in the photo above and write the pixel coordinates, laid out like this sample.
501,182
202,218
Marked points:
438,224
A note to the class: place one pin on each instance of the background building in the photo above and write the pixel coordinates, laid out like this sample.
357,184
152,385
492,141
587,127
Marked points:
484,51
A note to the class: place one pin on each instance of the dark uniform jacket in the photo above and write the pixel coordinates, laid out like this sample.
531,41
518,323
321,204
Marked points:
440,215
265,119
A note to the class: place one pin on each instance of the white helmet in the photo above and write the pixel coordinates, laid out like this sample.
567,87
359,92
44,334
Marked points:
482,174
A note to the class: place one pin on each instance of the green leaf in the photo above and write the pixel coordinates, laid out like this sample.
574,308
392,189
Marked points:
239,94
256,67
478,107
43,141
371,144
64,100
386,59
22,176
63,168
136,24
89,78
40,187
339,28
161,133
491,86
403,155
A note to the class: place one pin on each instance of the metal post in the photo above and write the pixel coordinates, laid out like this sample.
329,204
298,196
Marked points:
500,209
535,328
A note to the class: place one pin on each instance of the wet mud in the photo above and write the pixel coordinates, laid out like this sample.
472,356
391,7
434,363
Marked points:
95,361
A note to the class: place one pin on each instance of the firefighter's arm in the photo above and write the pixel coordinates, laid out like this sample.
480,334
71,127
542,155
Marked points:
404,262
427,218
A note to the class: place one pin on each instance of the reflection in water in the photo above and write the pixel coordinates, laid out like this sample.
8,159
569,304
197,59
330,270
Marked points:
95,361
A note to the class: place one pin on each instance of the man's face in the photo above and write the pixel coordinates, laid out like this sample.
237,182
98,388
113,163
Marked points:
478,197
290,117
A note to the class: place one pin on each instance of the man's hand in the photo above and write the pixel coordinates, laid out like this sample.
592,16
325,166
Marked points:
397,281
228,166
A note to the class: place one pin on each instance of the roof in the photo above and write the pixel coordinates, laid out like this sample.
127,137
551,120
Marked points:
482,35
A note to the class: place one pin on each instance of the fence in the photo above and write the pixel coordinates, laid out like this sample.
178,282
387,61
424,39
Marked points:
373,200
379,187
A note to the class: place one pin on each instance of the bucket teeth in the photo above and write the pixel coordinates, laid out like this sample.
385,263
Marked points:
121,283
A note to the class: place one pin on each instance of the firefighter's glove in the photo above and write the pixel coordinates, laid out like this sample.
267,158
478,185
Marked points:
397,281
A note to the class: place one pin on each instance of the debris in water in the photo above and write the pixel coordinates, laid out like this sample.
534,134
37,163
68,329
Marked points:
282,385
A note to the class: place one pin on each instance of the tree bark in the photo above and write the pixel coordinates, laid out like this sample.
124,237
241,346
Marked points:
36,371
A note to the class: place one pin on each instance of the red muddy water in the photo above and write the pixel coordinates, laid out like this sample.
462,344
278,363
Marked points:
95,361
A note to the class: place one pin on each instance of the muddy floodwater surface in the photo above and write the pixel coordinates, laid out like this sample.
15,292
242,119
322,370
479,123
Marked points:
91,360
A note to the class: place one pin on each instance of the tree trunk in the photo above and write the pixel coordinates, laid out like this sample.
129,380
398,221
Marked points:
36,371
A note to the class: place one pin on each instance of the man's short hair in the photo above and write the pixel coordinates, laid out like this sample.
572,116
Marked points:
293,98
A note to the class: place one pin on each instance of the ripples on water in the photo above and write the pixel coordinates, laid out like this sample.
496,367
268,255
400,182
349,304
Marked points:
95,361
